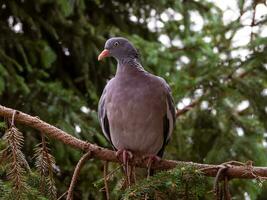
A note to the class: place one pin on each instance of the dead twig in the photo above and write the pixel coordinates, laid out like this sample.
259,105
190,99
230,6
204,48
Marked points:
76,173
106,179
227,194
221,191
221,171
61,196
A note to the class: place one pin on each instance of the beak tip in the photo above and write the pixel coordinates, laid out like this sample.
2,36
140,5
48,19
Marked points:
103,54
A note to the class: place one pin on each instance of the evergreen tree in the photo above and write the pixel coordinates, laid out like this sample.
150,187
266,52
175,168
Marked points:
49,69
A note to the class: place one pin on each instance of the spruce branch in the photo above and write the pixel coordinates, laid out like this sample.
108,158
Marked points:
44,164
15,161
101,153
180,182
230,78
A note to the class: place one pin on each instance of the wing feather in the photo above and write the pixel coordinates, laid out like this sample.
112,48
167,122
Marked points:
168,119
102,116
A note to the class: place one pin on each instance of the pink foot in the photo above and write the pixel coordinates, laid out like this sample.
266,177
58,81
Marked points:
151,159
126,156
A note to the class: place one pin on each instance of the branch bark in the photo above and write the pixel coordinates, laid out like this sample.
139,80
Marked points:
243,172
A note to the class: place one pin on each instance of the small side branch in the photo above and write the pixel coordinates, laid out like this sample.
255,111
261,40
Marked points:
76,173
216,188
187,108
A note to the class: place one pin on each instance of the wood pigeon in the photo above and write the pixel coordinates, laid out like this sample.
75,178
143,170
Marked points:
136,110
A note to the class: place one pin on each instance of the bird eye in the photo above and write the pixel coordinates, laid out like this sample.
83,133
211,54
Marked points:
116,44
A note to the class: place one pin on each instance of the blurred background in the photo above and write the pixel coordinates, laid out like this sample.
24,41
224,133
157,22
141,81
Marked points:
212,52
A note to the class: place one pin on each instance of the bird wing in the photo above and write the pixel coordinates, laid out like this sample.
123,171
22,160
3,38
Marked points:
102,116
168,119
170,113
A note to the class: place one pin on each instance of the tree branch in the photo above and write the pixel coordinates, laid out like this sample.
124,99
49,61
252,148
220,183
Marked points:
233,171
187,108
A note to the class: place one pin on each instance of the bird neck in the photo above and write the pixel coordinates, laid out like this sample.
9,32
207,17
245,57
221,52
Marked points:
129,65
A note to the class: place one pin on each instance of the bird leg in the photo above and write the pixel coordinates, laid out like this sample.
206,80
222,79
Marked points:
126,156
151,159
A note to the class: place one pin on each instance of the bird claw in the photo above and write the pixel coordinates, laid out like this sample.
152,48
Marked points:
151,159
126,157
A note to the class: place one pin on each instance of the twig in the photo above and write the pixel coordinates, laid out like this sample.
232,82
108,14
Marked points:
76,173
61,196
217,178
113,171
187,108
227,194
109,155
221,191
13,118
105,179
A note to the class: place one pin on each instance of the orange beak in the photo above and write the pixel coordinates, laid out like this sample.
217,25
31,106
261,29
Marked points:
103,54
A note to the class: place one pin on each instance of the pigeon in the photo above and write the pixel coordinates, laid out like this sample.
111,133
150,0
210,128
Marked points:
136,110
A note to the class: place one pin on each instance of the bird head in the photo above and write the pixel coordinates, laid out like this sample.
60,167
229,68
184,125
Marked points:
119,48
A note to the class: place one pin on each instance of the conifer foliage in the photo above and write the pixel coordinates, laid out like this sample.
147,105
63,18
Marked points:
44,164
49,69
22,182
15,162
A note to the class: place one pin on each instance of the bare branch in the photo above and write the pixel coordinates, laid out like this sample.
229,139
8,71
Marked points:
76,173
106,180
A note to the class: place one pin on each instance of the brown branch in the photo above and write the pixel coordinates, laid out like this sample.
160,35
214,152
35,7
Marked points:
187,108
108,155
76,173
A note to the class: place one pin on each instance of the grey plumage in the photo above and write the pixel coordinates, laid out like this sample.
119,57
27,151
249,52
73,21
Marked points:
136,110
